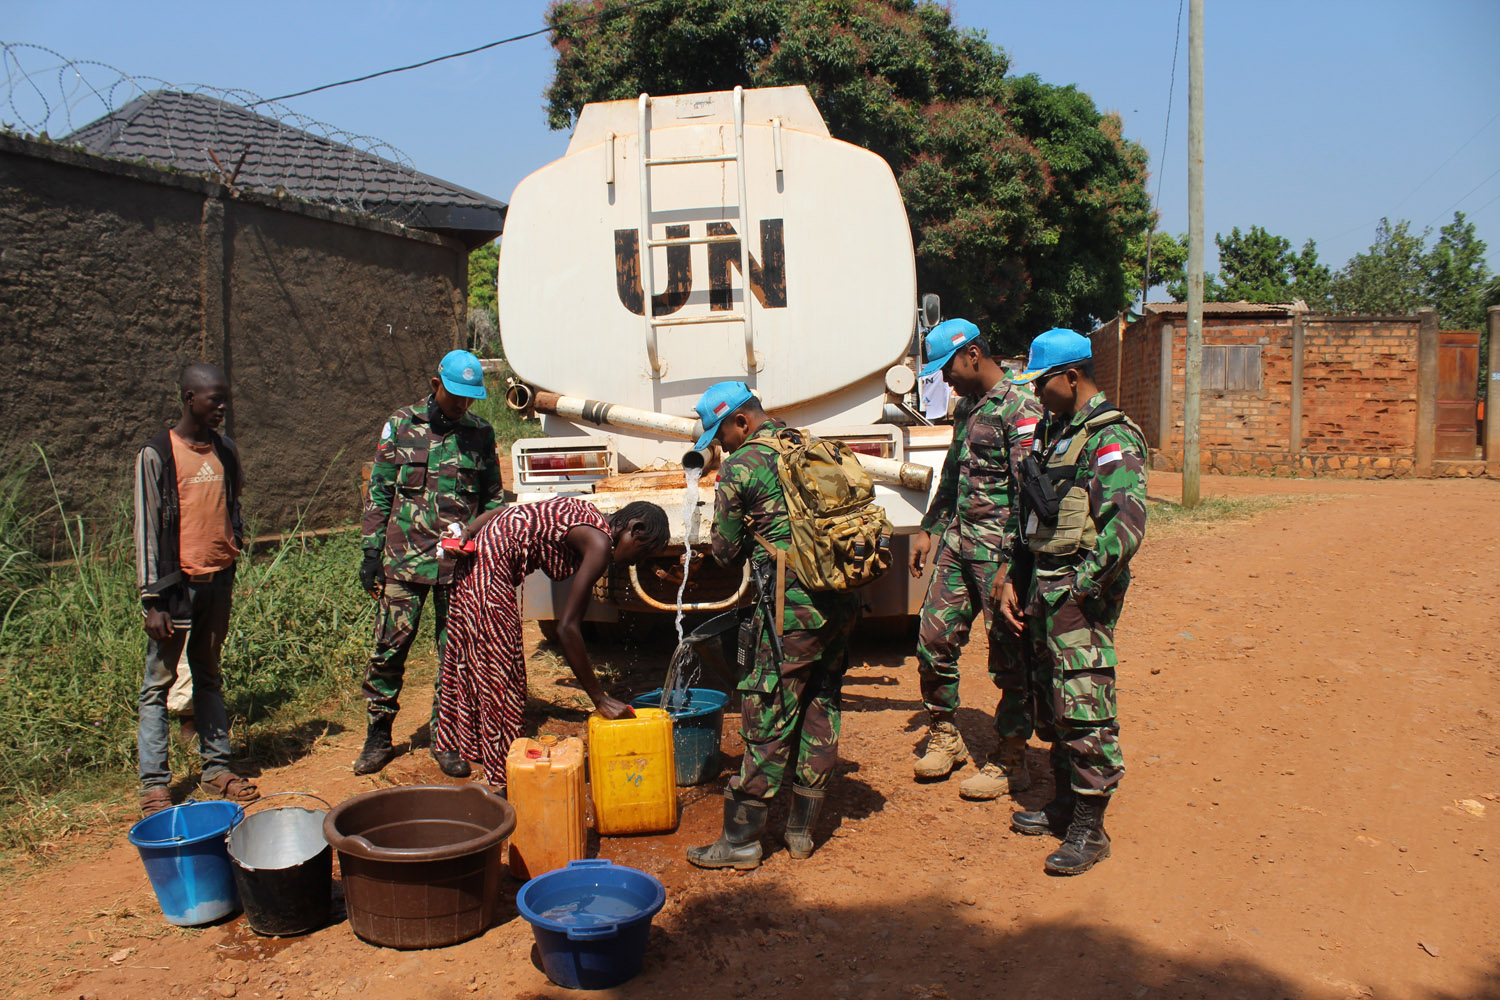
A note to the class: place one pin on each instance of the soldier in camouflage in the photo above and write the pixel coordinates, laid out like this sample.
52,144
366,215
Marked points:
973,517
790,705
1083,515
435,465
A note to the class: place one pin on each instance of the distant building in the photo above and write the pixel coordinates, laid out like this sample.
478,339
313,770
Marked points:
1289,392
326,281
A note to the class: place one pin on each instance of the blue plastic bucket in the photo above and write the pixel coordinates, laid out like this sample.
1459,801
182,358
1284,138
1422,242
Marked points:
696,727
186,859
591,921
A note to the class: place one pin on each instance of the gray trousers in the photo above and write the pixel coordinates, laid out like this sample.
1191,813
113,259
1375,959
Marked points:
210,623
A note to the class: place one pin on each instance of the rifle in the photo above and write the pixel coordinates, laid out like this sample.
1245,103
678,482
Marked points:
765,605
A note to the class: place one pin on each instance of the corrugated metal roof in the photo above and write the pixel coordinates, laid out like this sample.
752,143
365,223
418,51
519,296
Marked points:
1228,308
203,135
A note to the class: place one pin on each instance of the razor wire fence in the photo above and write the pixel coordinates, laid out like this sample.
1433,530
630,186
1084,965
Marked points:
227,135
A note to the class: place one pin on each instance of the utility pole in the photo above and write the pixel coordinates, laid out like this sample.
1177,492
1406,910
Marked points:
1193,376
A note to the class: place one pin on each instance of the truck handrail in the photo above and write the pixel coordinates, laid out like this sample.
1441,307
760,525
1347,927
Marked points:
728,602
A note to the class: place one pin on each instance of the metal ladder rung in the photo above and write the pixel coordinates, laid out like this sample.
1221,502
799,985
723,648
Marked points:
646,243
681,241
664,161
732,317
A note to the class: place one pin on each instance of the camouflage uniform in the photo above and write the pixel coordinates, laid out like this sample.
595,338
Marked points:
1074,602
423,480
974,515
790,710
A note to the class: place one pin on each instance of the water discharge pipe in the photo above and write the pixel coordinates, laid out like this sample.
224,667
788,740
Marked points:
519,396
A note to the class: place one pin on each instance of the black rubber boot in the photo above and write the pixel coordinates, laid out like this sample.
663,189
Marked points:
806,804
378,751
451,764
1086,843
1055,816
739,845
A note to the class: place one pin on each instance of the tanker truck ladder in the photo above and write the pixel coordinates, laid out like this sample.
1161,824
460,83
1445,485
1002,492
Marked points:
647,244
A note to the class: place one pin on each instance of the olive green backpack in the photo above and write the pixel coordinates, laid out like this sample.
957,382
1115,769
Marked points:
840,537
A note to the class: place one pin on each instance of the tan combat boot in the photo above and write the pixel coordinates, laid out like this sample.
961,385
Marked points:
1004,773
945,751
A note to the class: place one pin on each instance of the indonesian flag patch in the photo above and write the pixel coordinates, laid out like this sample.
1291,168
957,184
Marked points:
720,408
1026,429
1107,454
958,337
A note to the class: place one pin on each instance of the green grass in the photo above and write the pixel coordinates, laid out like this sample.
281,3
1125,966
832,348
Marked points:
1164,514
509,425
72,651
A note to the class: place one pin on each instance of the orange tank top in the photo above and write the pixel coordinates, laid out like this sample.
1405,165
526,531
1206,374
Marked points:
205,535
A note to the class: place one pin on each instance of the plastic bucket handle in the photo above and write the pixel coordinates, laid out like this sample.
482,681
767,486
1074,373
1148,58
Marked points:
180,840
599,931
596,933
244,815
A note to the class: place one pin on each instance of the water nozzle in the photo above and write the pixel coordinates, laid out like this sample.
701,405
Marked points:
697,458
518,395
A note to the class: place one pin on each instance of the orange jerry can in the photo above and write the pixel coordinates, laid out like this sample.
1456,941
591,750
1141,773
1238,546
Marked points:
545,785
633,771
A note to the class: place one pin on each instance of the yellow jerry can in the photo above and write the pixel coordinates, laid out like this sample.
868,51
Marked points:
545,785
633,771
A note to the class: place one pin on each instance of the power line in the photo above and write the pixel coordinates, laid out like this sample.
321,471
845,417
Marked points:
1449,160
1462,146
630,5
1460,201
1162,166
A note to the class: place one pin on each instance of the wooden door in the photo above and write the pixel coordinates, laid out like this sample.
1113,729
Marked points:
1458,395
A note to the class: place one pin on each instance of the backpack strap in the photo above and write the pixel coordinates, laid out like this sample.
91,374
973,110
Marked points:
780,558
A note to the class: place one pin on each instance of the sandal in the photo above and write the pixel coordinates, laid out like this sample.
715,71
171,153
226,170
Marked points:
226,785
154,800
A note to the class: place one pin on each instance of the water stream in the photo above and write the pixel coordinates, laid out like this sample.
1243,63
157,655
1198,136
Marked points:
675,687
689,516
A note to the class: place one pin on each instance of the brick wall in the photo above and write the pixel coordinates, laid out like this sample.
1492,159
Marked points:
1359,390
115,275
1358,395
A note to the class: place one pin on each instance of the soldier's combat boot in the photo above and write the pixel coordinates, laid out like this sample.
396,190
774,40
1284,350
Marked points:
1003,773
806,804
945,751
739,845
1055,816
1086,843
378,751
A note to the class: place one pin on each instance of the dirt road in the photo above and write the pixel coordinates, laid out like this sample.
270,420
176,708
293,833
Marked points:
1311,721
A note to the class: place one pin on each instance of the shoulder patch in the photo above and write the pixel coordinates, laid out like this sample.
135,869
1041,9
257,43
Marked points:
385,432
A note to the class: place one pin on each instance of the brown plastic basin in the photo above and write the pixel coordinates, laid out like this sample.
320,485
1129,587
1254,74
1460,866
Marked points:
420,863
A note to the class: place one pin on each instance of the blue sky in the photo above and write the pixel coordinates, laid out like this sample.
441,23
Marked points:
1322,115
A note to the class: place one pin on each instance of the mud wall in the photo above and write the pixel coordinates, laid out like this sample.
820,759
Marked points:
113,276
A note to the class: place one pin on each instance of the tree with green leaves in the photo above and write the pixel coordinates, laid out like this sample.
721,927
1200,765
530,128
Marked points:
1390,277
1022,197
1168,263
484,317
1457,276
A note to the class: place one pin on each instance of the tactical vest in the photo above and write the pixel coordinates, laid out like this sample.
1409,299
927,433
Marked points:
1071,529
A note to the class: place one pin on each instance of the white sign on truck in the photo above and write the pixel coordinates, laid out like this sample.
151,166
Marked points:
654,199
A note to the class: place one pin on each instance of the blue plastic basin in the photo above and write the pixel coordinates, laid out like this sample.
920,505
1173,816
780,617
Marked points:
591,921
696,727
187,861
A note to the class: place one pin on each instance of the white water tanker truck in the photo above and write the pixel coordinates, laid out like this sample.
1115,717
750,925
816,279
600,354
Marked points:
685,240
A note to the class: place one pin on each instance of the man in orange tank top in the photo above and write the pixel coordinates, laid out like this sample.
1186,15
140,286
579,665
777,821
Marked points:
188,532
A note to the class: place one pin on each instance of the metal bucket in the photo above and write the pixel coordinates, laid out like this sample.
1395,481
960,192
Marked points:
283,867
